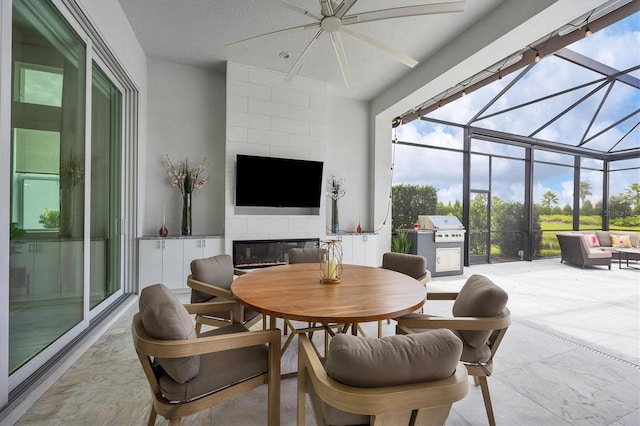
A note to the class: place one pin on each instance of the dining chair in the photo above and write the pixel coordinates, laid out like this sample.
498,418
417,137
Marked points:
409,264
189,373
210,280
394,380
480,318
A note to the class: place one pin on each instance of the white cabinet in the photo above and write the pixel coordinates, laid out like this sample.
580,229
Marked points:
360,249
46,270
168,260
199,249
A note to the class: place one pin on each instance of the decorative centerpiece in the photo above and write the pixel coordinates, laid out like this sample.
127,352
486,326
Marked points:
330,261
186,181
335,190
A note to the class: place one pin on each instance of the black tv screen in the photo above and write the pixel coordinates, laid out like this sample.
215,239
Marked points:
277,182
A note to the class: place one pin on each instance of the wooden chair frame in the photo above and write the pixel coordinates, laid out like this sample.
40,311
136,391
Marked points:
479,371
148,348
416,403
237,314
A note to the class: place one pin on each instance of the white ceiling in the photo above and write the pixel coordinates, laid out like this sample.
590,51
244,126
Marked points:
196,32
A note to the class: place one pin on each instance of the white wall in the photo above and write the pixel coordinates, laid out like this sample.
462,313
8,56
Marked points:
271,118
186,119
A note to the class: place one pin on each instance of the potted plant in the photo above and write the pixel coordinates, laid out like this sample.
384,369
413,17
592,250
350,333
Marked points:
401,243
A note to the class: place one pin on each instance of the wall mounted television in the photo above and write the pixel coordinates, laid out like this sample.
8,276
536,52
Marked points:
278,182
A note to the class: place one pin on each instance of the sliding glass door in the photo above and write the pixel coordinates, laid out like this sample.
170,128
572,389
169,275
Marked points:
65,248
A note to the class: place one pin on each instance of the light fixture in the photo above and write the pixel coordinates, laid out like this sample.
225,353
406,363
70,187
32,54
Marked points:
284,55
537,58
587,31
464,92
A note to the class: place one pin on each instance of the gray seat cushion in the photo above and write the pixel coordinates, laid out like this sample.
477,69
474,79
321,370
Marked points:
218,369
479,297
216,270
409,264
164,317
387,361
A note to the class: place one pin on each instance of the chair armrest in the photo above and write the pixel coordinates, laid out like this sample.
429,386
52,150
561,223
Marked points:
429,322
375,401
209,288
150,346
438,295
211,307
239,272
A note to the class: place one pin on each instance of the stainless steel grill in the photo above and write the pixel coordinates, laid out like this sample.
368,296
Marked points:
440,239
445,228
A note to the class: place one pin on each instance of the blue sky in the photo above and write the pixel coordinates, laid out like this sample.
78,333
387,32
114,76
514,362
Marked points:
617,46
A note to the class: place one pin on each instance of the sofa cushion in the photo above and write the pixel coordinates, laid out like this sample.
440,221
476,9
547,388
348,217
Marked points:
216,270
479,297
620,240
592,240
604,238
164,317
393,360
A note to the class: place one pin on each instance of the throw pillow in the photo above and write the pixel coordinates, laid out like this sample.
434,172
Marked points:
592,240
620,241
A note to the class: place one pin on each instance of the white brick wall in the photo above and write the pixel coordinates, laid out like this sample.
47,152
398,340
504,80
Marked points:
269,117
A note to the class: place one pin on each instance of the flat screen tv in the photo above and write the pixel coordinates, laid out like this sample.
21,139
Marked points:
277,182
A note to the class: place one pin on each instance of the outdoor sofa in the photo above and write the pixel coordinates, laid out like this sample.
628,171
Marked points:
589,248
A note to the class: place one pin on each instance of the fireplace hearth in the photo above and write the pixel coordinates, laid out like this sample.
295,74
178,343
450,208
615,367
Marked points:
249,254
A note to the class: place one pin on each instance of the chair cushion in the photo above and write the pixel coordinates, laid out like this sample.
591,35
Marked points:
164,317
479,297
409,264
216,270
218,369
393,360
388,361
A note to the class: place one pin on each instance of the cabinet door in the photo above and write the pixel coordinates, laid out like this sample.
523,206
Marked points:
370,257
173,275
347,250
149,262
200,249
193,249
71,268
46,270
21,271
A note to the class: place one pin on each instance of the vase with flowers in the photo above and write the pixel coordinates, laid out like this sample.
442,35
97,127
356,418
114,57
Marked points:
186,180
335,191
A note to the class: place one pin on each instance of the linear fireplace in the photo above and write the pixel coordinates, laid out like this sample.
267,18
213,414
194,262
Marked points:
261,253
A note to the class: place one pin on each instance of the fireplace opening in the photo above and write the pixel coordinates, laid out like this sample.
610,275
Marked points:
262,253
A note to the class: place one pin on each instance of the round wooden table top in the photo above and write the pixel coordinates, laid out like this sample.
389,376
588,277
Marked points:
296,293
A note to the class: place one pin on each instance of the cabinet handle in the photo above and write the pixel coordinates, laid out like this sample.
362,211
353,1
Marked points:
203,243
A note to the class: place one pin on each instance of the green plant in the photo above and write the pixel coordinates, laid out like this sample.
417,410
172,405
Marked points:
15,231
401,243
50,218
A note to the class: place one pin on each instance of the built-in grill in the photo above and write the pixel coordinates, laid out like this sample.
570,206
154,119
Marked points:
440,239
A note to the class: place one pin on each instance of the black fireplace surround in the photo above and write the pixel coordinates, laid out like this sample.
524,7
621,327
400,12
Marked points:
249,254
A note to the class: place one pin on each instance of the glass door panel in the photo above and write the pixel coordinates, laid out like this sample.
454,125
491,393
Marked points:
106,110
47,192
479,243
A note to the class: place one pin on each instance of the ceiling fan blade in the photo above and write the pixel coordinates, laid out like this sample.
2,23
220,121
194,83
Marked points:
299,9
344,7
400,12
327,7
407,60
342,58
294,69
286,30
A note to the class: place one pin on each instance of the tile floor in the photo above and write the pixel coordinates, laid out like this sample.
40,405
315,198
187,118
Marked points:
571,357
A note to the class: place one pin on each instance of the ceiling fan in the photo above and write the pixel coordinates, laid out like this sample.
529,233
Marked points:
333,20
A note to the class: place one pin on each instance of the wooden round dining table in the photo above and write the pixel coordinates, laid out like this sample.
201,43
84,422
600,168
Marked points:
295,292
